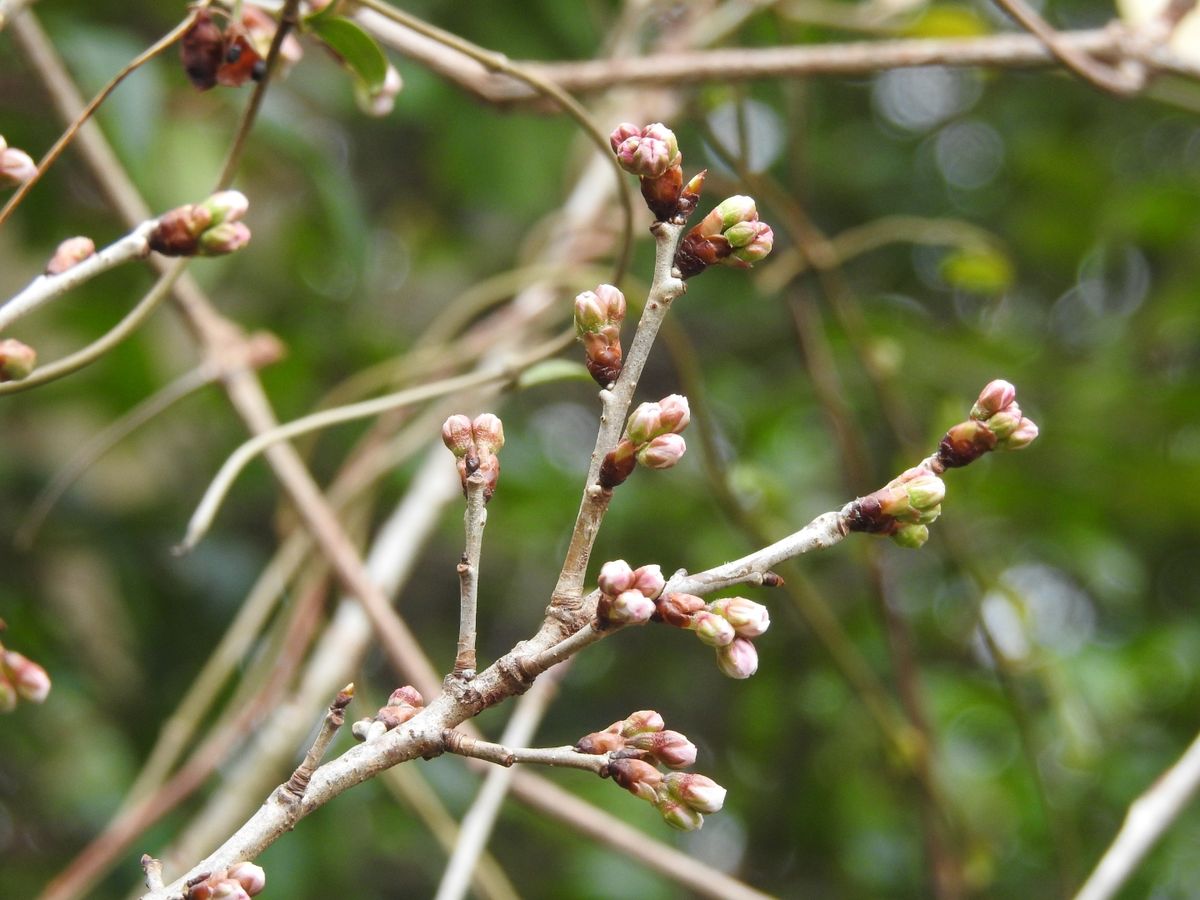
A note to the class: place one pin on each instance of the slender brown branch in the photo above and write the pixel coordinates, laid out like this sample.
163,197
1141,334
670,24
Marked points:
474,519
566,757
335,718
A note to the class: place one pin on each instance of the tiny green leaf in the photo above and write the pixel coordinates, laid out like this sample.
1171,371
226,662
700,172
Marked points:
356,48
552,370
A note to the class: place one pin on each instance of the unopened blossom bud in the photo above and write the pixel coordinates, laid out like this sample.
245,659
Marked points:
751,242
622,133
589,313
738,659
489,433
925,491
251,877
615,577
456,435
649,580
690,195
641,722
381,101
599,742
30,679
749,619
911,535
618,464
730,212
1005,422
644,423
69,254
638,777
670,748
226,206
678,609
8,695
680,816
228,237
630,608
17,360
406,696
16,167
712,629
663,452
228,889
995,396
648,154
674,413
1024,435
699,792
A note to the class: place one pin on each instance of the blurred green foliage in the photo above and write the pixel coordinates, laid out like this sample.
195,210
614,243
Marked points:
1081,551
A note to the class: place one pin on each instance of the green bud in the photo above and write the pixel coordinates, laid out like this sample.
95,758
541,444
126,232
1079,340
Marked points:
911,535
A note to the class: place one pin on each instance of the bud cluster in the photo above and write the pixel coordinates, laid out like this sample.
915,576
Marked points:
20,679
598,317
16,166
211,228
69,254
474,445
627,594
904,508
728,624
730,235
652,153
239,882
995,423
640,744
404,703
17,360
651,438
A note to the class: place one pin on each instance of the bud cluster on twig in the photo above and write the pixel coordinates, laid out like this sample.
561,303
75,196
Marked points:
728,624
404,703
598,317
640,744
474,445
652,154
16,166
20,679
730,235
17,360
210,228
905,507
239,882
626,594
651,438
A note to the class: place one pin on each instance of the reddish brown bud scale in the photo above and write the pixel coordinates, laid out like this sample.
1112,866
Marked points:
965,443
662,194
202,51
600,742
617,465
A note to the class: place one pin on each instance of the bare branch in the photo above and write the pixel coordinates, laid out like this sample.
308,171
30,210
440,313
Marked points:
566,757
474,520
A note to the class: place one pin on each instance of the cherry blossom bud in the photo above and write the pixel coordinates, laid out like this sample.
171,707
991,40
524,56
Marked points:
678,609
712,629
69,254
680,816
228,237
730,212
252,878
406,696
16,167
738,659
648,154
228,889
226,206
489,433
649,580
670,748
622,133
17,360
751,242
641,722
616,577
925,491
674,413
644,423
699,792
599,742
30,679
1005,422
749,619
911,535
638,777
589,313
663,452
995,396
1025,434
630,608
456,435
613,303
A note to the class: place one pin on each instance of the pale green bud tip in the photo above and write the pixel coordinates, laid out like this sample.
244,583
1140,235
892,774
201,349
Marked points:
589,313
662,452
699,792
456,435
16,167
616,576
228,237
226,206
252,878
1024,435
925,491
751,242
712,629
680,816
17,360
911,535
734,210
738,659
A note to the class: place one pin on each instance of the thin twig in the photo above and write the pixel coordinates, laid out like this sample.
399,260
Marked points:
565,757
335,718
474,520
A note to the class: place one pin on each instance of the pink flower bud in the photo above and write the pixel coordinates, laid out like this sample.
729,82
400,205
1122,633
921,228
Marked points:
640,722
644,423
648,154
589,313
680,816
911,535
622,133
649,580
228,237
17,360
1024,435
678,609
995,396
749,619
30,679
226,206
406,696
489,433
16,167
69,254
615,577
630,608
638,777
699,792
674,413
252,878
599,742
612,301
751,242
670,748
738,659
663,452
712,629
456,435
228,889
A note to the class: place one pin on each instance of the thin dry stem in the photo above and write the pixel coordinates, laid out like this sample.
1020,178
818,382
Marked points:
565,757
474,520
